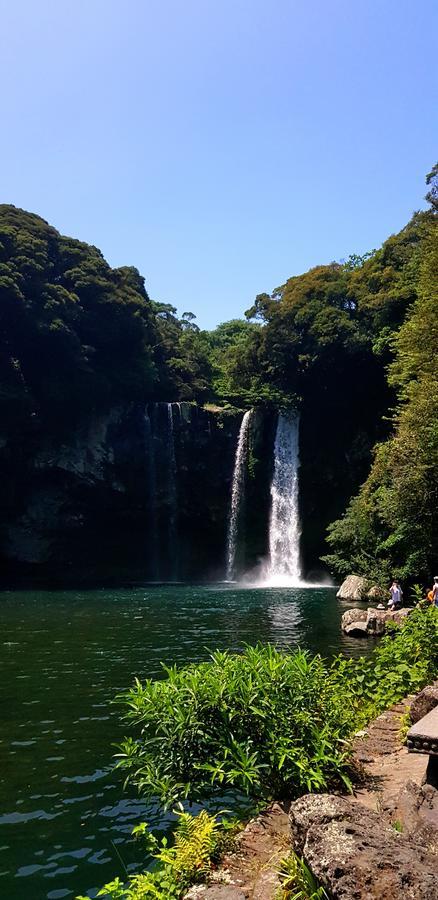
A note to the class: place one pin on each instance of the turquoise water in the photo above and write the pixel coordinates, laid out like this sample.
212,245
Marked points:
64,816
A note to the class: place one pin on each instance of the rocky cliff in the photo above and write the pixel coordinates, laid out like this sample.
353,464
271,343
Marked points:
134,494
143,493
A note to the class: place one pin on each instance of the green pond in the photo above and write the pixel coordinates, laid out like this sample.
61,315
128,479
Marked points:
65,819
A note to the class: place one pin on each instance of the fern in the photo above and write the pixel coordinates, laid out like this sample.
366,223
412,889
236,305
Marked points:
190,856
187,861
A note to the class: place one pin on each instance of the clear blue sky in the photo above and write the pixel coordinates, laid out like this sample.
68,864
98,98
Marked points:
221,146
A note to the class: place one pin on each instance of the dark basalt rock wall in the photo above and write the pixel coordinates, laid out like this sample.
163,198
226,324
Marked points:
96,508
143,494
338,428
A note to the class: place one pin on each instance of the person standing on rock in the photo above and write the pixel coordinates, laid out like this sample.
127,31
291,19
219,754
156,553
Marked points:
435,591
396,595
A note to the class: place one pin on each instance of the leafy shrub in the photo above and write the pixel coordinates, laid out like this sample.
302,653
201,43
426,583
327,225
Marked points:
265,722
262,722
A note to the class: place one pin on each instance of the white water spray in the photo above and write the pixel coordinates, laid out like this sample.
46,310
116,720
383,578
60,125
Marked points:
284,528
237,493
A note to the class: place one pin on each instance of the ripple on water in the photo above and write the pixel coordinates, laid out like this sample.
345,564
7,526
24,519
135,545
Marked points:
59,894
83,779
15,818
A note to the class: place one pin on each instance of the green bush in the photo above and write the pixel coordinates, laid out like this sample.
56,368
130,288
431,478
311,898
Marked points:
265,722
262,722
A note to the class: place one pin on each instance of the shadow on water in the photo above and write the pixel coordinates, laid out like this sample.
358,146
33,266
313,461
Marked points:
64,656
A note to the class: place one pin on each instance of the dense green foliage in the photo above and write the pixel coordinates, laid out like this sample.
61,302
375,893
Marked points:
331,325
65,318
77,336
391,527
265,722
262,722
74,329
404,661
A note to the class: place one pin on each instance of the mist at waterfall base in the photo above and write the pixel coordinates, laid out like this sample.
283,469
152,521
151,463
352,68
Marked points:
283,566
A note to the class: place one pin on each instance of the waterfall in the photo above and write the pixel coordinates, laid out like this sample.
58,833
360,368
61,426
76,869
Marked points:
284,527
172,496
237,493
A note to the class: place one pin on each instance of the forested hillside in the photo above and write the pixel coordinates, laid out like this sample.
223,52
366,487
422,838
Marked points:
351,344
78,336
392,525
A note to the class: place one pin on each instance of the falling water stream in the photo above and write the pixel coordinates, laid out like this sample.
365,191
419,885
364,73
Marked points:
284,527
237,493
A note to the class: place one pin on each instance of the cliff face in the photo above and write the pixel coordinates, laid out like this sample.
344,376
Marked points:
135,494
144,495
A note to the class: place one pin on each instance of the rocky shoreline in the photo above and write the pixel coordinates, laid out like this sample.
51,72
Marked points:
371,622
380,844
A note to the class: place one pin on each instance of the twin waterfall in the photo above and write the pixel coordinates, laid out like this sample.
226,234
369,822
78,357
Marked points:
283,567
171,433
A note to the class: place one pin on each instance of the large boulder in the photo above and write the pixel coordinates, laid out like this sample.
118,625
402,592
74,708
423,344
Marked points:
356,629
353,615
376,621
415,806
424,702
376,593
353,588
371,621
354,622
356,856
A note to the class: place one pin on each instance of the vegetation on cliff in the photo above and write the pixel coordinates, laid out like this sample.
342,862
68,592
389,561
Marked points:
355,345
78,336
352,343
390,527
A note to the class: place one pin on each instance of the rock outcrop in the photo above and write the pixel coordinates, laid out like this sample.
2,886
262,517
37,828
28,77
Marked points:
371,621
353,588
95,503
354,854
357,588
416,808
215,892
424,702
376,593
